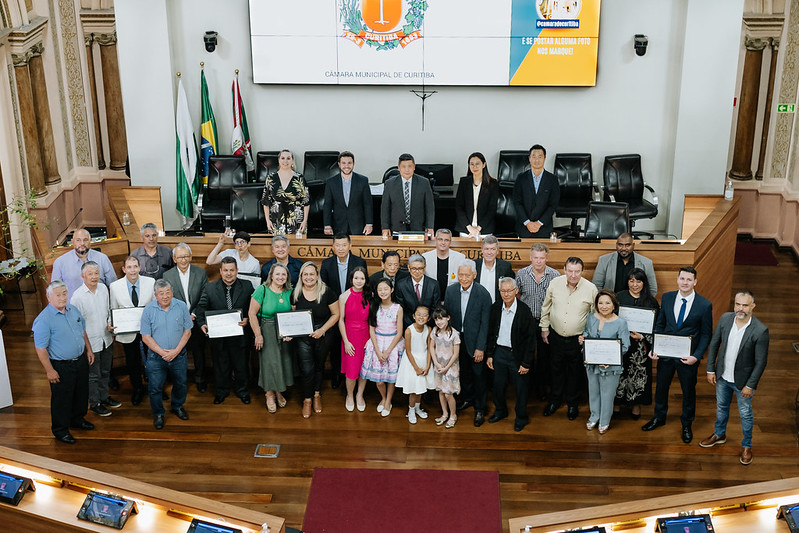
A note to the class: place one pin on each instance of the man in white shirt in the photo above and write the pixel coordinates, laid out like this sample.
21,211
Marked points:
442,263
491,269
91,299
248,266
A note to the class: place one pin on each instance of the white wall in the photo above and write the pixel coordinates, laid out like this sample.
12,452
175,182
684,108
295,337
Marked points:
665,105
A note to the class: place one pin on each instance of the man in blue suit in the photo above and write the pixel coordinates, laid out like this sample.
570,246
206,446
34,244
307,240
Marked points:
682,313
535,197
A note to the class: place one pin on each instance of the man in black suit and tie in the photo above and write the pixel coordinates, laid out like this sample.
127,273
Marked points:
335,273
417,289
348,201
510,351
407,201
535,197
682,313
391,269
469,306
491,269
188,283
229,354
736,359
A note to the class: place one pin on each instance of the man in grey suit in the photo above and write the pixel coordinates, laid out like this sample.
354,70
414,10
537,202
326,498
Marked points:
735,361
407,201
613,269
188,283
348,200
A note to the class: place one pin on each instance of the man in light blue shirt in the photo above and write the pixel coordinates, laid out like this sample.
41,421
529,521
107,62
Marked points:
67,267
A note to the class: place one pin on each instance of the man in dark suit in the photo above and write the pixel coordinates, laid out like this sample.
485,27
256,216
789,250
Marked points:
535,197
736,359
407,201
491,269
348,201
510,351
188,283
229,354
336,272
417,289
469,306
391,269
682,313
280,253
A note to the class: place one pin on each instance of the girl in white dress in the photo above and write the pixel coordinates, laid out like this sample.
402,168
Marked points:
412,376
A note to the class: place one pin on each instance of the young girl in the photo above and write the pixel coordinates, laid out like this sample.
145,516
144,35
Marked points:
412,376
354,327
444,342
382,352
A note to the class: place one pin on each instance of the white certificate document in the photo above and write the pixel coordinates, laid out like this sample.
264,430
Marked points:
602,351
294,323
223,324
672,346
126,319
639,319
255,279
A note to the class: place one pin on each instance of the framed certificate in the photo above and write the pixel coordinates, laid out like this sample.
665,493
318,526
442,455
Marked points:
223,323
294,323
672,346
639,319
602,351
126,319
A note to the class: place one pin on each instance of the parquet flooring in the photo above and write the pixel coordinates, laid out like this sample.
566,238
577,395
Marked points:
554,464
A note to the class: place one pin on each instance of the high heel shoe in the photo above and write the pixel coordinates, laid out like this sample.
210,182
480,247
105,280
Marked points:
317,403
281,402
306,408
270,404
603,429
590,425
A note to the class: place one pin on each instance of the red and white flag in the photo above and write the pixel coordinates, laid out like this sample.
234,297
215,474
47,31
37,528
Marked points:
241,134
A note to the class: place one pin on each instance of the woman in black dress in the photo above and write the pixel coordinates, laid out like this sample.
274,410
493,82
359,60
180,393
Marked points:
285,198
476,199
635,385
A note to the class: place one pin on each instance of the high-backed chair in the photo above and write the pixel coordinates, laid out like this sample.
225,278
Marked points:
246,211
316,223
390,173
319,165
224,173
576,187
511,164
624,182
506,214
607,220
265,164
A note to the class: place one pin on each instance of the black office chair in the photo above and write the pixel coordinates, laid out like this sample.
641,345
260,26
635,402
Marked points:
246,211
511,164
265,164
624,182
577,187
506,214
607,220
390,173
320,165
225,172
316,222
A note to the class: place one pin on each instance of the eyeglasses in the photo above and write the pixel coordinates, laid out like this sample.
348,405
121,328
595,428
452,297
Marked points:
240,242
507,291
179,257
416,268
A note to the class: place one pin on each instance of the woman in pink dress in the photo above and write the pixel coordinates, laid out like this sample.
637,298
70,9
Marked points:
354,327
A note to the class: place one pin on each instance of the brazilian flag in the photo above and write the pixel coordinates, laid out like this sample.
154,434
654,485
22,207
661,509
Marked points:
208,146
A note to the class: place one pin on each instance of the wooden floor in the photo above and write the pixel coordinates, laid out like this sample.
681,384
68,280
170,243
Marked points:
554,464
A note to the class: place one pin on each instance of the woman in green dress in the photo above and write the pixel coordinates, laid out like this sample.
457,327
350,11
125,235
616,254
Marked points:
276,374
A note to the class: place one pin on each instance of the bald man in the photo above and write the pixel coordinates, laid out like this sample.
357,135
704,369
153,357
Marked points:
67,267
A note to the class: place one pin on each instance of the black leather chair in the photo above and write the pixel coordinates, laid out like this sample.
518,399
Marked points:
316,222
506,214
246,211
607,220
390,173
224,173
624,182
511,164
320,165
577,189
265,164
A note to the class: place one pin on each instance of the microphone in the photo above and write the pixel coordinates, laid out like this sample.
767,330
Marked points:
62,234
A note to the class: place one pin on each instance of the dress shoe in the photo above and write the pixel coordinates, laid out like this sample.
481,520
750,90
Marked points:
335,381
550,409
496,417
653,424
306,408
746,456
518,426
573,413
218,399
113,384
181,413
112,403
479,418
69,439
83,424
465,405
713,440
202,387
137,396
158,421
245,399
687,434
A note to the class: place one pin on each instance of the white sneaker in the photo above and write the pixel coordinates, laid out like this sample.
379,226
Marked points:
411,416
419,411
386,411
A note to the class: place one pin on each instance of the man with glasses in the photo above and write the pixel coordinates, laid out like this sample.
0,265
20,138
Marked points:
154,259
416,290
248,266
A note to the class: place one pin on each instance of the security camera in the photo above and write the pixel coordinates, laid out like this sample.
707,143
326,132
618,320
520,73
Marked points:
641,42
210,41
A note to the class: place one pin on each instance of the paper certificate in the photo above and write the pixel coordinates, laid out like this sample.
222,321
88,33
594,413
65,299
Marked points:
294,323
126,319
602,351
639,319
223,324
672,346
255,279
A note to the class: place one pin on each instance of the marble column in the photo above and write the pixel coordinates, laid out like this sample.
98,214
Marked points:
30,133
747,109
89,39
43,123
112,90
772,70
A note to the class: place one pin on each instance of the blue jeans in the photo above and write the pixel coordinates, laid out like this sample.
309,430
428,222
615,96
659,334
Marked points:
724,390
157,370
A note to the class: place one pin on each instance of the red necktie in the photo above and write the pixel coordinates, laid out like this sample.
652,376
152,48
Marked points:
418,296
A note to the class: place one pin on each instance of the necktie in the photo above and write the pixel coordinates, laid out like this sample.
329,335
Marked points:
133,296
681,315
407,201
418,293
228,299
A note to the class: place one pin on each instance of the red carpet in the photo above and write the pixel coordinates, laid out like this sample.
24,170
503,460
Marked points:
758,254
374,500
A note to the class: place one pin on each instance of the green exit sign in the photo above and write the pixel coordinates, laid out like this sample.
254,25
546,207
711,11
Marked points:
786,108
